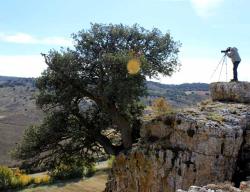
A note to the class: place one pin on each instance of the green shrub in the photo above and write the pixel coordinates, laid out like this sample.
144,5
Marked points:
89,170
14,178
110,161
63,171
15,183
215,117
6,176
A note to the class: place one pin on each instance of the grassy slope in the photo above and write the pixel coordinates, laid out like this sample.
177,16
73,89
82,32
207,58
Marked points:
92,184
17,111
95,183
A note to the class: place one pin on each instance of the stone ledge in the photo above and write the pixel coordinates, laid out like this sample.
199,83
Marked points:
238,92
192,147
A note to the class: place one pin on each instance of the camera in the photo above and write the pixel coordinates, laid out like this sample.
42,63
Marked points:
225,51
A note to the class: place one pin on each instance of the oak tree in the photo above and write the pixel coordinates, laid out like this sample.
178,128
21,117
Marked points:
88,90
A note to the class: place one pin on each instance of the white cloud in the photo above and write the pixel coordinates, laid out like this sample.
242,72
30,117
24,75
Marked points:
22,65
24,38
206,8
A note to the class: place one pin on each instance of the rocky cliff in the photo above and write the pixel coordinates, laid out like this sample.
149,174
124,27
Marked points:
207,144
232,91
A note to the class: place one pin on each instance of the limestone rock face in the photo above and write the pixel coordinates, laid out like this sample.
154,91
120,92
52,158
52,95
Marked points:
194,147
231,91
212,188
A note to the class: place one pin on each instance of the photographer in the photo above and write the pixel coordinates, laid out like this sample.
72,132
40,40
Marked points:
232,52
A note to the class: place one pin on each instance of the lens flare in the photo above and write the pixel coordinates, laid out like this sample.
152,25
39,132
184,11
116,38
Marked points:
133,66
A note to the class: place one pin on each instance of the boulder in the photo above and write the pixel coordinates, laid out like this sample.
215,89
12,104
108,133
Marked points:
230,91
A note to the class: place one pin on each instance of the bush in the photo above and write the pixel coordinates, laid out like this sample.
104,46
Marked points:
6,176
161,106
25,180
15,183
43,179
10,179
63,172
89,171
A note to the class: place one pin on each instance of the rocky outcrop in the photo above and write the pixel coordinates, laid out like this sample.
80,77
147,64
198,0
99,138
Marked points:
222,187
232,91
212,188
193,147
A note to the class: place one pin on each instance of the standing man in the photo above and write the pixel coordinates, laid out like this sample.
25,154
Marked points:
232,52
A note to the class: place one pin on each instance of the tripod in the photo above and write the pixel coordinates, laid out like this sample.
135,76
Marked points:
220,65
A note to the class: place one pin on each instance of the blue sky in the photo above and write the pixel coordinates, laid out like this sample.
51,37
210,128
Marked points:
204,27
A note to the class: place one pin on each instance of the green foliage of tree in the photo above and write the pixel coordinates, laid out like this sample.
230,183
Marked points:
95,70
6,176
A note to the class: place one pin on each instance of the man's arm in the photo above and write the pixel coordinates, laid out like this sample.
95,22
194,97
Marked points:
230,53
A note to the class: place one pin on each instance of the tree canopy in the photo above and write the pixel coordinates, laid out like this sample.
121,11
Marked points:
88,90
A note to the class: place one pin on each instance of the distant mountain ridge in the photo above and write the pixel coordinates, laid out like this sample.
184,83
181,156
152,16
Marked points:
182,95
183,87
10,81
6,81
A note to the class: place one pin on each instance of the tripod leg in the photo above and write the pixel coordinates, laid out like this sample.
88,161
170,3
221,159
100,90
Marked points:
226,67
217,67
222,66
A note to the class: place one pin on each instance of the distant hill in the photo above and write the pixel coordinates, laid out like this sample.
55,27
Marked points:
182,87
182,95
16,81
18,109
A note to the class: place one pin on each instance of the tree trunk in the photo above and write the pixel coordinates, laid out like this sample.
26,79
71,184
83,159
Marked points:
108,147
123,125
119,120
126,131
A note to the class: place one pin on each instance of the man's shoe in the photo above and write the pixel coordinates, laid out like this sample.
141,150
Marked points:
234,80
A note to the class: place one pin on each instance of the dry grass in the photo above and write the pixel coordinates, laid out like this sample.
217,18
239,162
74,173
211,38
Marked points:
93,184
215,117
